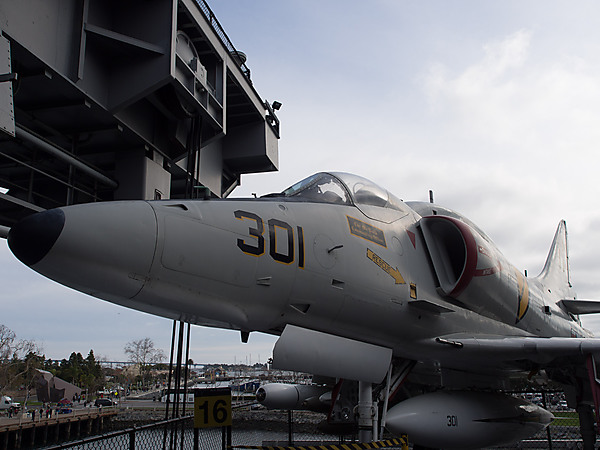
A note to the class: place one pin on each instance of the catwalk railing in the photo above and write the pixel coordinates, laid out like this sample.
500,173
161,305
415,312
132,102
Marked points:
218,29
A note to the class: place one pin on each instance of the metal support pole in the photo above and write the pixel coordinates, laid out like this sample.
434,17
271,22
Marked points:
386,400
186,369
168,401
185,381
226,438
586,426
170,370
132,439
548,434
176,411
365,411
290,428
193,144
375,421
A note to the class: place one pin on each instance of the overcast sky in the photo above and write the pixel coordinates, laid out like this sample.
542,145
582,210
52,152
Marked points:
495,106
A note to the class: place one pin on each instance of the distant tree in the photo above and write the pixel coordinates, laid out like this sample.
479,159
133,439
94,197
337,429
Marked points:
70,370
93,366
7,340
85,373
28,369
18,359
94,373
144,354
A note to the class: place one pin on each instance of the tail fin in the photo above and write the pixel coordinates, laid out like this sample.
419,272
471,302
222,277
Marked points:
555,274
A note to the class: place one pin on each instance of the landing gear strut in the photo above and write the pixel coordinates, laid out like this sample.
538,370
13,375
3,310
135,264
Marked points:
365,412
586,426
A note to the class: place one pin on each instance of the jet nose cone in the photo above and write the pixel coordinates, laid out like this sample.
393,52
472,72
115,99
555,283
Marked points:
104,249
32,238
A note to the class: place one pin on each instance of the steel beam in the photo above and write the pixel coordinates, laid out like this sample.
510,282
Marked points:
62,155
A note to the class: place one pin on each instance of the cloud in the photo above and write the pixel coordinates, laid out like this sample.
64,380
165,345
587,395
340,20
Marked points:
494,69
514,144
518,104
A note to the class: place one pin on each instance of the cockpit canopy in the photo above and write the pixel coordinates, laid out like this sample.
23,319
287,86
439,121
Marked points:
321,188
347,189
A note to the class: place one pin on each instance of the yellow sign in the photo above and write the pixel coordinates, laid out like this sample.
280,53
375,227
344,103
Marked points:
366,231
212,408
391,271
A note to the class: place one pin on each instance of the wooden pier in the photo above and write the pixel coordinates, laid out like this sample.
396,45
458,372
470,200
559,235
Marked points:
22,432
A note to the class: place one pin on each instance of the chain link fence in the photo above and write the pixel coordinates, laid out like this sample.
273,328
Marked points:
268,428
180,434
169,434
264,427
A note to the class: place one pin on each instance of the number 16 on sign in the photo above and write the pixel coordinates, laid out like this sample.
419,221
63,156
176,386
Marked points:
212,408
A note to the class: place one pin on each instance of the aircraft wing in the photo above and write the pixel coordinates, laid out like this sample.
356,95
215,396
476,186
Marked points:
539,350
580,306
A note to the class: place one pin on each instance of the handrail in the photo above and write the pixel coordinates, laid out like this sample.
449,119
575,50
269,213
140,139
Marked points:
218,29
271,118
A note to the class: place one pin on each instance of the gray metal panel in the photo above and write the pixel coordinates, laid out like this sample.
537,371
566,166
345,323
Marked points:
328,355
7,113
103,83
251,148
50,29
211,166
133,44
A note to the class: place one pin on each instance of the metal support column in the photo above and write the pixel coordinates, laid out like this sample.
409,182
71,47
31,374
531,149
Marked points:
586,425
365,411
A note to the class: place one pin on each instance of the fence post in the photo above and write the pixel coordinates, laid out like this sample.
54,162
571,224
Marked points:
226,437
132,439
196,438
290,428
544,393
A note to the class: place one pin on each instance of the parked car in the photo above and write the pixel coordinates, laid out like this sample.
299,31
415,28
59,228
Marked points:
562,406
65,406
103,402
6,403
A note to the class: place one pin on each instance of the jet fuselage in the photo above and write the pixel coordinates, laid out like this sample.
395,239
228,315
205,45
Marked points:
335,253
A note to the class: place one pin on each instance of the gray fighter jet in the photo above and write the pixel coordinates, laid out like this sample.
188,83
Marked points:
358,285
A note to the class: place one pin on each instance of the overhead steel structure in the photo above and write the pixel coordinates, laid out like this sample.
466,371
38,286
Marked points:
108,100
